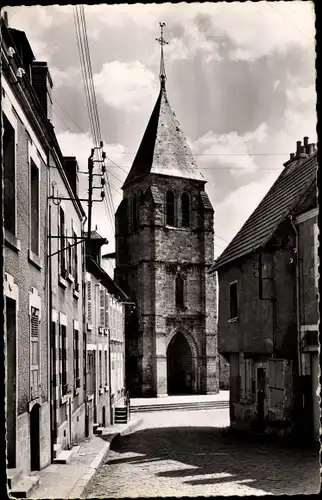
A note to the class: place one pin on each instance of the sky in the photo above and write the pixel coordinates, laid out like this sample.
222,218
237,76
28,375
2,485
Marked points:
240,79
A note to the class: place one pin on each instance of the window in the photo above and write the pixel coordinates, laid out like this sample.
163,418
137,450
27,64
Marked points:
233,303
62,253
76,359
90,372
34,207
75,259
185,207
89,301
106,367
100,367
170,208
63,359
179,291
9,173
107,310
102,307
34,354
70,259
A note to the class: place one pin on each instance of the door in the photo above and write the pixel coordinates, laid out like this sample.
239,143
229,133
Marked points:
11,369
261,383
35,437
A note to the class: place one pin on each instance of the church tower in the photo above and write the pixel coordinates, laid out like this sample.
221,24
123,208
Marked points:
164,250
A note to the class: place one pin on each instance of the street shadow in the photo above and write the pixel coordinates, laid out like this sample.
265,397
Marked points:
209,451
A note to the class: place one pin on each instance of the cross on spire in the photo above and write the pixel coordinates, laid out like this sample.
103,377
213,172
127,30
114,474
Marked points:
162,42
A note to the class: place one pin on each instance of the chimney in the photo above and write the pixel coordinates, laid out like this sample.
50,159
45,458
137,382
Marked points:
303,150
70,166
42,84
306,141
298,147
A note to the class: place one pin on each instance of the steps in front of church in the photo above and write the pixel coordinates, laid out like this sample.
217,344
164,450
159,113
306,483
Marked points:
195,402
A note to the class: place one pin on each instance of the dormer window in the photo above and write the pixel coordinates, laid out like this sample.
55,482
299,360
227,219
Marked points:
185,209
170,208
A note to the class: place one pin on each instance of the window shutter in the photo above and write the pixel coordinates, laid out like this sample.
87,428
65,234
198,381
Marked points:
102,307
34,347
89,301
242,378
276,373
106,310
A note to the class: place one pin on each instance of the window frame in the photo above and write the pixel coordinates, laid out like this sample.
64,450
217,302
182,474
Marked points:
233,317
63,265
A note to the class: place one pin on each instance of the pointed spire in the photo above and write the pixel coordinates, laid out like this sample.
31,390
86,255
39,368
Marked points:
162,42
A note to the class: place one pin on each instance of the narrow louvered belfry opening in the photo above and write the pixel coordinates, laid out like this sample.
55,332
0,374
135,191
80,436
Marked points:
185,207
170,208
179,291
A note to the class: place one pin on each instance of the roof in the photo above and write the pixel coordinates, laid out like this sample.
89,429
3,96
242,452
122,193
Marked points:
291,185
163,149
93,268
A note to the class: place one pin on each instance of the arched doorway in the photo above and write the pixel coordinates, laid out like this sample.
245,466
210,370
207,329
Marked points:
180,369
35,437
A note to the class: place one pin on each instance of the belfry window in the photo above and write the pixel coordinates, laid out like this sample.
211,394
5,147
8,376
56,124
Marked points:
179,291
185,208
170,208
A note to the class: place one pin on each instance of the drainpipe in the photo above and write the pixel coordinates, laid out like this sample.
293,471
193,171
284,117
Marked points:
297,271
52,412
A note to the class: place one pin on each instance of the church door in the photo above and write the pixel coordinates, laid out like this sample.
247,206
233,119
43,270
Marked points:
179,366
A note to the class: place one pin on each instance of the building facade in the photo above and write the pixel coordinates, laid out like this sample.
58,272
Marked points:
25,172
105,343
164,249
66,302
267,299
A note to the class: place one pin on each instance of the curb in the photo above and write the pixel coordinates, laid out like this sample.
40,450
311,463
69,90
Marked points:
84,483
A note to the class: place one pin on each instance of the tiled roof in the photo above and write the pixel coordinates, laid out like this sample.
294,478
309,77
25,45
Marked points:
163,149
291,185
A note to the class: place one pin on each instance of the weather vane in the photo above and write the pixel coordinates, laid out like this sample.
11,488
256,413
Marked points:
162,42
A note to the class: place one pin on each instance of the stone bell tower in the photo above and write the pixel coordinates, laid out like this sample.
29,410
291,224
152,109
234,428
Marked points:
164,249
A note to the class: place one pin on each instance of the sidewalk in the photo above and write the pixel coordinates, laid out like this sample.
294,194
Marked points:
69,481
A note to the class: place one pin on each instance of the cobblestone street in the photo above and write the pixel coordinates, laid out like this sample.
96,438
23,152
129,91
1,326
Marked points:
185,454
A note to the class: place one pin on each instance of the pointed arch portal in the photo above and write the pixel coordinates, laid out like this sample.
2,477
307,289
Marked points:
180,366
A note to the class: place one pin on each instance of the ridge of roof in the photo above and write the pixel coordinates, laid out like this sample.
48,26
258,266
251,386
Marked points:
164,149
276,205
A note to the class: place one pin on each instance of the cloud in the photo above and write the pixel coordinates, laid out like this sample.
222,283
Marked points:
126,85
66,78
230,150
235,209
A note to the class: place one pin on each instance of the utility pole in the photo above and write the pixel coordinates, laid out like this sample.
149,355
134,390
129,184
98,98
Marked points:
90,192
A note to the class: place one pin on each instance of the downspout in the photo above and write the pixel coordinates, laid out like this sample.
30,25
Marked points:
51,333
297,274
84,330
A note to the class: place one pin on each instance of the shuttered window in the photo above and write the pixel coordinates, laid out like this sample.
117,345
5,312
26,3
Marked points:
89,301
63,357
76,359
276,377
75,258
106,367
62,240
100,367
107,310
34,355
246,377
102,307
34,208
